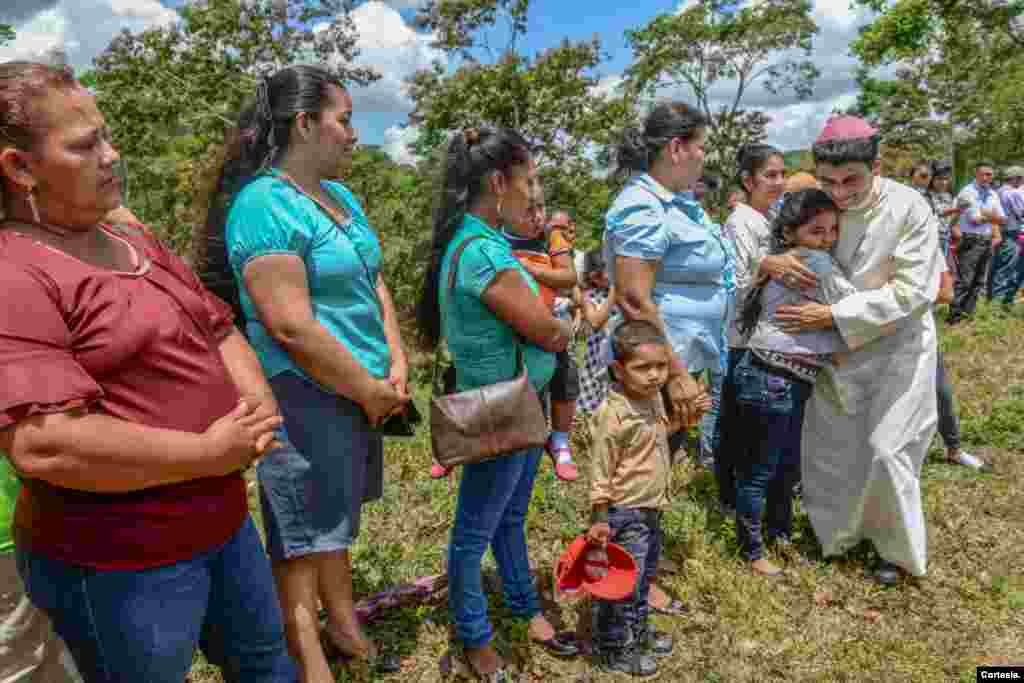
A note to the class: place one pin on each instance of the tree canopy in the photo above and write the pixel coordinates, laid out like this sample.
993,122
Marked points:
553,98
713,44
958,67
170,93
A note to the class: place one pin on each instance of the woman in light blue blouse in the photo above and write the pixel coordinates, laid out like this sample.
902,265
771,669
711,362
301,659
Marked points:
307,265
671,265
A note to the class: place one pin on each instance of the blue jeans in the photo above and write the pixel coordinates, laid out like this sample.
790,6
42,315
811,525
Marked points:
709,423
727,422
766,451
1004,278
134,626
617,624
494,497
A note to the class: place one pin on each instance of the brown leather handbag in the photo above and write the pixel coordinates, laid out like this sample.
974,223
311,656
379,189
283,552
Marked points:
487,422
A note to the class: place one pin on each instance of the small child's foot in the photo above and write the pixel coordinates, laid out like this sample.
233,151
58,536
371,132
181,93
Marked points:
561,456
765,568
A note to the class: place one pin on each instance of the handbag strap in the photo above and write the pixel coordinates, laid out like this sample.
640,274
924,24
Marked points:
452,272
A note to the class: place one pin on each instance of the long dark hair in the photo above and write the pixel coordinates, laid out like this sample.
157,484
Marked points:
668,120
750,159
798,208
259,140
472,156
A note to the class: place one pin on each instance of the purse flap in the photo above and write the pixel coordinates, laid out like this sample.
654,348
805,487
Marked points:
484,410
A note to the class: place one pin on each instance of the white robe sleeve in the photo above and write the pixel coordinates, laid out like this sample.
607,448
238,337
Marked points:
911,288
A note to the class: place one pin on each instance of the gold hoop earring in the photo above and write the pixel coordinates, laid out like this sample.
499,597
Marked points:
32,204
500,217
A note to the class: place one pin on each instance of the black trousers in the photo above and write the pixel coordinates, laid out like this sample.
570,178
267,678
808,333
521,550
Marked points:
974,254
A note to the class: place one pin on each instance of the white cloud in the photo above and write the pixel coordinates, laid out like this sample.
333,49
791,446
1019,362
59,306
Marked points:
405,4
608,85
82,28
395,50
45,32
795,124
397,141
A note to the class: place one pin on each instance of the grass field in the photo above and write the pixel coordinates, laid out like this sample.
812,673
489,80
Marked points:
824,622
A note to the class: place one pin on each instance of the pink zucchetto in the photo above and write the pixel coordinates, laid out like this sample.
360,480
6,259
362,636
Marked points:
846,128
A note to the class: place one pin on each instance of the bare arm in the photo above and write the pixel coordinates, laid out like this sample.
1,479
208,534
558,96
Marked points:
94,452
392,331
634,278
280,292
246,372
560,275
512,300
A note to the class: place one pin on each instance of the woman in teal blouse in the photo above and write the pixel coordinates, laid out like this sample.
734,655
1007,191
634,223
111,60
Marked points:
493,310
306,266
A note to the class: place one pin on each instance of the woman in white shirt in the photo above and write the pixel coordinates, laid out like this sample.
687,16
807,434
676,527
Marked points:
762,175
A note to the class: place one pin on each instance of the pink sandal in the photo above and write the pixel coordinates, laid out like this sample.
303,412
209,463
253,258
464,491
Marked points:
565,471
438,471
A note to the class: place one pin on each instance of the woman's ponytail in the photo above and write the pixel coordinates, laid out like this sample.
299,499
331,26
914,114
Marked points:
261,136
472,155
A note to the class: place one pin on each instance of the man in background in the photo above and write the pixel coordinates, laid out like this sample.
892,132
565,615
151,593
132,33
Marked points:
981,235
1007,264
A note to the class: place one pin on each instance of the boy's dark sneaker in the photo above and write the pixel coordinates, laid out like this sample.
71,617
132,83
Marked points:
658,643
628,660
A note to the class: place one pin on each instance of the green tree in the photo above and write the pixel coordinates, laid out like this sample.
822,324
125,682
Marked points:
715,42
959,66
6,34
170,93
901,109
553,98
397,200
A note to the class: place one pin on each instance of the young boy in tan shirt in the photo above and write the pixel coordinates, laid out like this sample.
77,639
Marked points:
631,468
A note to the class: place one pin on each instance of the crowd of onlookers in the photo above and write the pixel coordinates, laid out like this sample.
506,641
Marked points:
795,341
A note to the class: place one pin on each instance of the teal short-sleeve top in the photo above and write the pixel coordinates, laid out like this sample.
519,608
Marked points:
270,216
482,346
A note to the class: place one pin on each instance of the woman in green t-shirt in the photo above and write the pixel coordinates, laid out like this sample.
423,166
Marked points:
493,310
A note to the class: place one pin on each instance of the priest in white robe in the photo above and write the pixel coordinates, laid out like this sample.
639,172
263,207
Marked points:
871,418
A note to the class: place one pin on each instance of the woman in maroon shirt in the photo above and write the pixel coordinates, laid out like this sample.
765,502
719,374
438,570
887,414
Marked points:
121,406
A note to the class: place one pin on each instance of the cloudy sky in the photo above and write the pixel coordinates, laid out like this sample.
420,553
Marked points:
389,43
